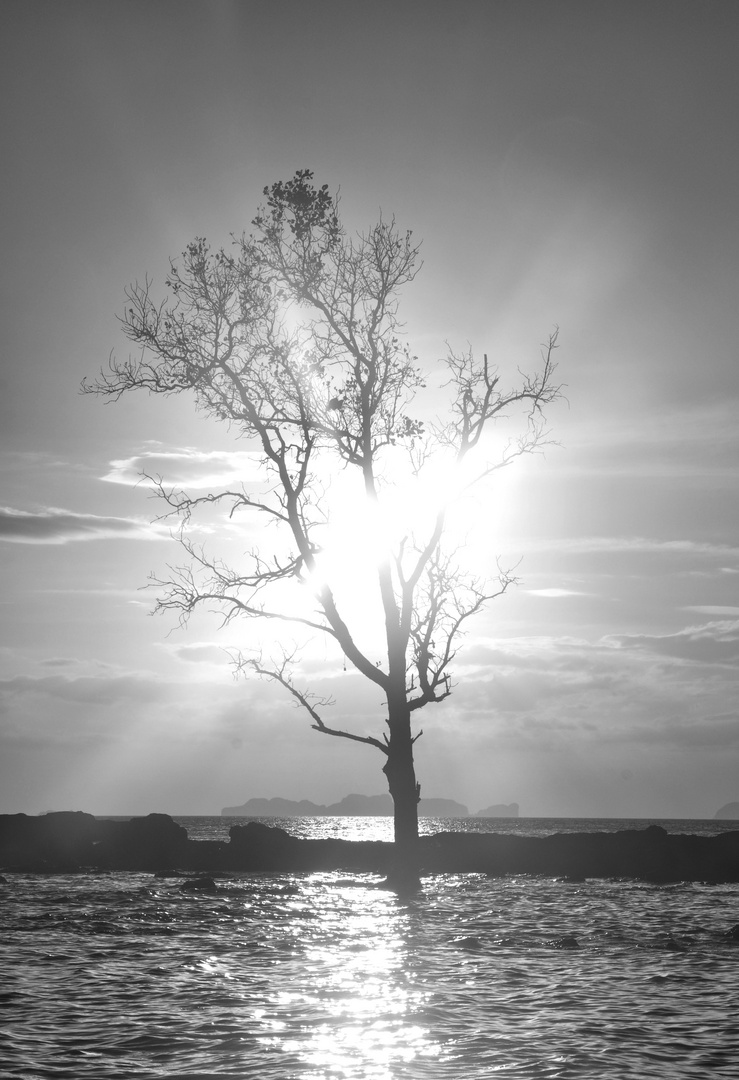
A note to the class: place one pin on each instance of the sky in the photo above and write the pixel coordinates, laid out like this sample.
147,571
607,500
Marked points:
568,163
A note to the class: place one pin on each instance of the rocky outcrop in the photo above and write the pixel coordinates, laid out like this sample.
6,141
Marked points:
261,847
74,840
649,854
155,842
728,812
66,842
499,810
51,840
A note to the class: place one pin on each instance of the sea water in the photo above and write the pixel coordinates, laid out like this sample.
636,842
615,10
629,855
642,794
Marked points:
324,976
381,828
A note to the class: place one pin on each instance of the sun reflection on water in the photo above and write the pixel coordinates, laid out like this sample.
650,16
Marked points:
354,976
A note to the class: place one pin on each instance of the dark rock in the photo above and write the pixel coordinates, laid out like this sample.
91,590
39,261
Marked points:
649,854
204,883
67,841
255,846
71,841
209,856
154,842
53,842
671,944
567,941
468,942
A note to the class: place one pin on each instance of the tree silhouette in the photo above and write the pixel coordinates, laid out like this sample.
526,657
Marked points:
292,337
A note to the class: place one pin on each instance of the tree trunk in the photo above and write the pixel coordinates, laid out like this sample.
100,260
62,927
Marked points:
405,792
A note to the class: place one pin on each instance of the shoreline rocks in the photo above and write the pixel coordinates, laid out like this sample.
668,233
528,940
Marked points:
74,841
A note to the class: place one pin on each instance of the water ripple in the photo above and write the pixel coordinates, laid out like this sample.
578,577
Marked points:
319,977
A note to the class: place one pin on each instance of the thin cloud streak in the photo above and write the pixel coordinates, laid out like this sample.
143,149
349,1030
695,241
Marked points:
637,544
56,526
714,609
553,594
715,643
186,467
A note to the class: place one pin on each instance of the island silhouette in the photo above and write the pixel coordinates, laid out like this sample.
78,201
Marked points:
359,806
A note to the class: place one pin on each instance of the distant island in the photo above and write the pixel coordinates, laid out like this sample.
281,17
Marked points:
729,812
499,810
361,806
350,806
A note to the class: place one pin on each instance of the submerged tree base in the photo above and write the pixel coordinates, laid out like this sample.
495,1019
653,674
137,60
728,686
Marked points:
67,842
403,874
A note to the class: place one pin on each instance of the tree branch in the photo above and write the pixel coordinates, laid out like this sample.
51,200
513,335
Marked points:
280,674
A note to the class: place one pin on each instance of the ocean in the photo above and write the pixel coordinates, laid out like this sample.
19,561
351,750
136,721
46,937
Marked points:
324,976
381,828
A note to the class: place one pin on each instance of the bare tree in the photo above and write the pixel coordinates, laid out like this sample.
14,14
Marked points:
292,337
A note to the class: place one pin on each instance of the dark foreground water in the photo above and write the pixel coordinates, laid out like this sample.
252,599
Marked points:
324,977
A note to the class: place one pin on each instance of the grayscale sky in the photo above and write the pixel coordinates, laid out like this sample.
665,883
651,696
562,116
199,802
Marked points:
568,162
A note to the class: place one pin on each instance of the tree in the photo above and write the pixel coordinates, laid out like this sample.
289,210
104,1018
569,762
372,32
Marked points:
292,337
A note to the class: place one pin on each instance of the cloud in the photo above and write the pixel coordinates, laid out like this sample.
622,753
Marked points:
719,731
713,643
55,526
683,442
134,710
186,468
714,609
553,594
59,662
573,695
637,544
85,689
200,652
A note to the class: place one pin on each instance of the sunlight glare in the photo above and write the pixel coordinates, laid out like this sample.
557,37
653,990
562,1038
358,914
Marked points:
360,988
362,532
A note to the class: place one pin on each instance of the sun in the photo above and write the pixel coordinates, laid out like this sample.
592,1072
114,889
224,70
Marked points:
363,533
355,535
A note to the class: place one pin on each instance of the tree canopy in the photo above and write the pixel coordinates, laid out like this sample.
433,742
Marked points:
292,337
